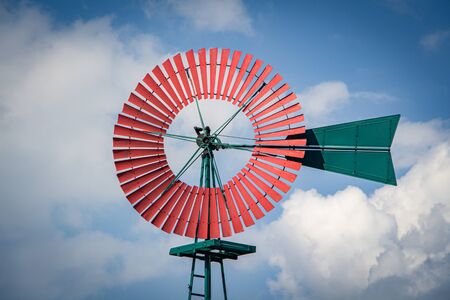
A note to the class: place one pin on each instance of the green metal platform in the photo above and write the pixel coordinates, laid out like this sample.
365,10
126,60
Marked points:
216,249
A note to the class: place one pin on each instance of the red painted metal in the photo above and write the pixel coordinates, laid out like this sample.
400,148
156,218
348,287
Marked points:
258,83
203,226
260,198
212,71
289,121
279,172
140,181
156,190
133,173
131,143
262,185
194,218
150,212
214,218
243,210
125,131
203,72
223,65
293,142
282,133
282,186
231,71
251,75
285,100
184,79
142,167
127,121
254,208
249,111
133,163
141,90
180,228
239,77
267,88
175,213
133,99
151,83
280,161
175,81
280,152
165,83
224,221
280,114
163,180
131,153
194,74
163,214
234,216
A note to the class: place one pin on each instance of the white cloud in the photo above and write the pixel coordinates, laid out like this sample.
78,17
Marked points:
79,266
435,40
215,15
413,140
404,7
349,244
60,91
373,96
320,100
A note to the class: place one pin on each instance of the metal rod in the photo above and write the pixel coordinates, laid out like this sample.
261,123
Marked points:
207,277
222,127
306,148
223,280
175,136
196,100
207,256
188,164
191,280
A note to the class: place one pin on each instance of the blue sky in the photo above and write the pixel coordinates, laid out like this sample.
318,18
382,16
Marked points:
66,230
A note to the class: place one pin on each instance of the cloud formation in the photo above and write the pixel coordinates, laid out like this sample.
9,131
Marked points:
215,15
320,101
435,40
393,244
60,91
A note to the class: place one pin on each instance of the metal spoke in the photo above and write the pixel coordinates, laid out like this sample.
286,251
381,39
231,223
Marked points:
173,136
224,125
196,100
237,137
186,166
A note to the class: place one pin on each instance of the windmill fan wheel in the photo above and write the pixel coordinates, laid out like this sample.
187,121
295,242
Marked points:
213,209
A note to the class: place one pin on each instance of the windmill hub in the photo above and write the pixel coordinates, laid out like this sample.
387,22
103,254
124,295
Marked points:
205,139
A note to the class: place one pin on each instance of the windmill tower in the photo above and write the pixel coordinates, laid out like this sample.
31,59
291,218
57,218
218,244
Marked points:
279,147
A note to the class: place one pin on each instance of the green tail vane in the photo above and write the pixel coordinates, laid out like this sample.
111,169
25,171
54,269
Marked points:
360,149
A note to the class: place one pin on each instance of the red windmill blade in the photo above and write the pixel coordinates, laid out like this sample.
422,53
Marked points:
281,145
138,143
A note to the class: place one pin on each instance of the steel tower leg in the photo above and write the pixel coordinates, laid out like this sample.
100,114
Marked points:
207,177
223,280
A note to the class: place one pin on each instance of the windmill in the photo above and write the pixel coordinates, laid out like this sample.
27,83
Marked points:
280,146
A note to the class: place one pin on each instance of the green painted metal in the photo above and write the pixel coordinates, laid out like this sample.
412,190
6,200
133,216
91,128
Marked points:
367,144
224,286
209,250
214,246
376,132
207,274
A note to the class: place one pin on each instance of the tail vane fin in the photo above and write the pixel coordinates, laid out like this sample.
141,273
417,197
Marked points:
360,149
